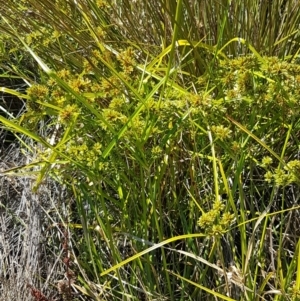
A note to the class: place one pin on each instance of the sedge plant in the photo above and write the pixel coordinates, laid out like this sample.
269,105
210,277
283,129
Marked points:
175,127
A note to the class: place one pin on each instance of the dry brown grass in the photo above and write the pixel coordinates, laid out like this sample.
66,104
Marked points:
27,250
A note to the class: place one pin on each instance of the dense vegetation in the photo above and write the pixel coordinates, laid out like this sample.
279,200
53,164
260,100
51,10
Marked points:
158,150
